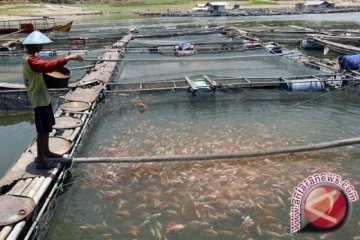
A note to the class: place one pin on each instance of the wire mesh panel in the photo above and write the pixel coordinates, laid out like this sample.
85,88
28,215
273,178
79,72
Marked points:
202,199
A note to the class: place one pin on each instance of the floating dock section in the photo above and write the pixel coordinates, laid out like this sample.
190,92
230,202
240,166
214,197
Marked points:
337,47
209,84
275,48
26,191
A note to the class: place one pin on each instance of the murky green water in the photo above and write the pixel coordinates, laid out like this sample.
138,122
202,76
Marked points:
17,130
341,20
223,200
235,63
225,65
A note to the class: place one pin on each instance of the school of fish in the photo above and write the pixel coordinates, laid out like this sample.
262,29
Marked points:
247,199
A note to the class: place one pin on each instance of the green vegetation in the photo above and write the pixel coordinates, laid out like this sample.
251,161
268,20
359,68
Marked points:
128,8
262,2
21,9
139,6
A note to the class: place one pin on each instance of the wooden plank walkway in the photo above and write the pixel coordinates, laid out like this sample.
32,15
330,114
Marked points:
338,47
23,179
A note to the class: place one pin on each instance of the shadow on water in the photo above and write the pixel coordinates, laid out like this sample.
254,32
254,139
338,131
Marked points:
17,130
14,117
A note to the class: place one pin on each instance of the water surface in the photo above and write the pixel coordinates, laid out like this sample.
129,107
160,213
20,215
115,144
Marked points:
218,199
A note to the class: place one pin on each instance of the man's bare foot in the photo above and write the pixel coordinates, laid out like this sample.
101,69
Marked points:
46,165
53,155
39,160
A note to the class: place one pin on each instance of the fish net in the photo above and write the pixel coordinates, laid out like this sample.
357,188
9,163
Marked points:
161,63
218,199
199,200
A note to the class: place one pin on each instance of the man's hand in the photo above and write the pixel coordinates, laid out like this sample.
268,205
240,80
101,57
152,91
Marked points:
74,57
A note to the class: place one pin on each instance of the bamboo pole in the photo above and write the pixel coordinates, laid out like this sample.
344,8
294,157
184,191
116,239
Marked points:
31,185
24,186
16,186
42,189
36,187
184,59
15,233
124,91
44,206
5,232
78,68
16,190
11,33
243,85
102,60
355,72
219,156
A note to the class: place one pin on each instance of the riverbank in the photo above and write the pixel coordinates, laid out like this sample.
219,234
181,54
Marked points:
193,120
16,11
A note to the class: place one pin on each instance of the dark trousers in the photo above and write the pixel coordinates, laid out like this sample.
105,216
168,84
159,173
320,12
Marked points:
44,119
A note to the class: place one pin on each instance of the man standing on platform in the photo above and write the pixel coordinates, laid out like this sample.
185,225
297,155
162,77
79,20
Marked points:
33,69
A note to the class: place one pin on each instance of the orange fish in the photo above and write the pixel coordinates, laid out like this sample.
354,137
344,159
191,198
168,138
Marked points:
176,228
141,106
210,232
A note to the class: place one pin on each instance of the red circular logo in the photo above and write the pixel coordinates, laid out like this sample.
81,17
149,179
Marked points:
326,207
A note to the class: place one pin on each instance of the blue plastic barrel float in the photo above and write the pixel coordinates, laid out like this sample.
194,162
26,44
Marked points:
276,50
310,44
349,62
185,46
306,85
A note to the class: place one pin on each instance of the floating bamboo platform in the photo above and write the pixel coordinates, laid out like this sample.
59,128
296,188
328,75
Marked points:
175,34
248,12
149,14
348,40
15,98
281,36
337,47
276,48
205,83
40,186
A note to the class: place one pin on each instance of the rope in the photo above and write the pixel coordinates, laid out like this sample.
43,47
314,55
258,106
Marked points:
66,171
